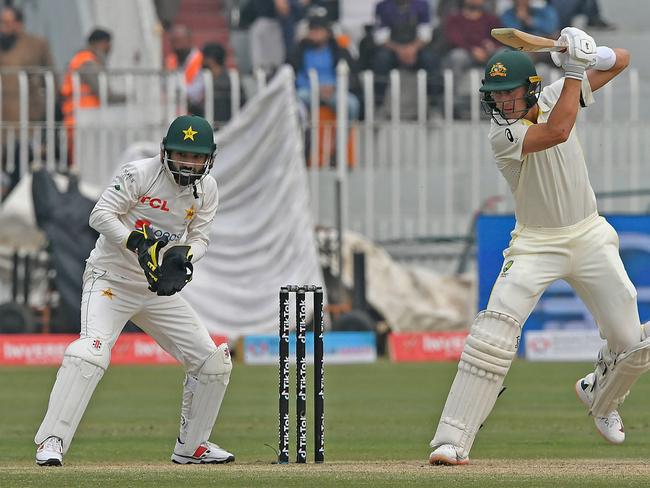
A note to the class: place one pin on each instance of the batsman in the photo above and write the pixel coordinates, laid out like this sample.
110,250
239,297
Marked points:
154,223
558,235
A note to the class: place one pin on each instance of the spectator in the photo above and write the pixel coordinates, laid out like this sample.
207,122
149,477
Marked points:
446,7
19,49
402,36
89,62
467,35
186,60
289,13
214,56
267,39
568,9
541,20
285,13
320,51
367,48
331,8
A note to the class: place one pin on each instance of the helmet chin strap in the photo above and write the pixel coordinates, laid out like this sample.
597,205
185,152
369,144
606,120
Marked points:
530,98
185,177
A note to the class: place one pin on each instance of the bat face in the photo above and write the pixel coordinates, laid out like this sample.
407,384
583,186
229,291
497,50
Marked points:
525,42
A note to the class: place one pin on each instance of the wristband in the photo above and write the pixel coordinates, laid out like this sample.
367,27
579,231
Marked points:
574,71
605,58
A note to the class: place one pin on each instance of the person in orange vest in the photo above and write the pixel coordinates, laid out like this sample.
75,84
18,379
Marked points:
187,60
88,62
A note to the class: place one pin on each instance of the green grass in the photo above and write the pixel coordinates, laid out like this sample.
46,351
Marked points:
379,420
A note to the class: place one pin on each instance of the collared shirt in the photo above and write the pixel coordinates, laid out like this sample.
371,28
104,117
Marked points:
551,188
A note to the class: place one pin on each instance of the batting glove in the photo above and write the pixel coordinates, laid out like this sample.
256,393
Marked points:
605,58
580,53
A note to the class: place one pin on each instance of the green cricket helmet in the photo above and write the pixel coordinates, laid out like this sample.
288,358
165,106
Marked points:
507,70
188,134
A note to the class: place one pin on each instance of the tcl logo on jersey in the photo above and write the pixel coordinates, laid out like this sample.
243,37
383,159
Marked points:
155,203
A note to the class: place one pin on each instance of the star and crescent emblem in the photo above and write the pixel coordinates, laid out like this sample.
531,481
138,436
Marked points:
189,133
189,213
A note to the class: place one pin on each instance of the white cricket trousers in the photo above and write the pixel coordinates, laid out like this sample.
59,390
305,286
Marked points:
586,256
109,301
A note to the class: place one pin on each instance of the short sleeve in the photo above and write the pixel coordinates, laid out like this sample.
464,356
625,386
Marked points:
508,141
507,145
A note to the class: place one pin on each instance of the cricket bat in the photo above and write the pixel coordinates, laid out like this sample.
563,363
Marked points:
526,42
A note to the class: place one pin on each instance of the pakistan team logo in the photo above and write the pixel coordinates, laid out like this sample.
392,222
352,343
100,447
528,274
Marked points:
506,267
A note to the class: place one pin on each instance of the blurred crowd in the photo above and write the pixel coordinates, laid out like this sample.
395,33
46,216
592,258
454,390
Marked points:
408,35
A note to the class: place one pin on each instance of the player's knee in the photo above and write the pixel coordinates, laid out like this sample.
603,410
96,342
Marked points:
218,364
91,350
492,342
497,329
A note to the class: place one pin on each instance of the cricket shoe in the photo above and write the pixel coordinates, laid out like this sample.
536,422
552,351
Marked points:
447,455
611,426
50,452
206,453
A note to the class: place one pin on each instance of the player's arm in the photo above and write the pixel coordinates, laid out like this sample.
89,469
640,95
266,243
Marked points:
120,196
611,63
562,119
580,55
198,233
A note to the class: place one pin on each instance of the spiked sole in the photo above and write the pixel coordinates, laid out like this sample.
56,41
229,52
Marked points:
440,460
50,462
178,459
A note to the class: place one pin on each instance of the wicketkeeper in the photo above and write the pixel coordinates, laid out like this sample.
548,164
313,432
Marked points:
558,235
154,222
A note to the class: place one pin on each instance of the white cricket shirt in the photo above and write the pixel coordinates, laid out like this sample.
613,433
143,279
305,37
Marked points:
551,188
143,192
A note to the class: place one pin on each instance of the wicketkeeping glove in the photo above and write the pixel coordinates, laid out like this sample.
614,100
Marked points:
144,243
176,269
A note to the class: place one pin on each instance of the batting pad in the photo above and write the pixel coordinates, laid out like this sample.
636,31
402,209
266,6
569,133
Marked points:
202,397
616,375
84,363
489,350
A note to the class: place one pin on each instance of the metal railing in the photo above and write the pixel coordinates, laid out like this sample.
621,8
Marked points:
391,176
